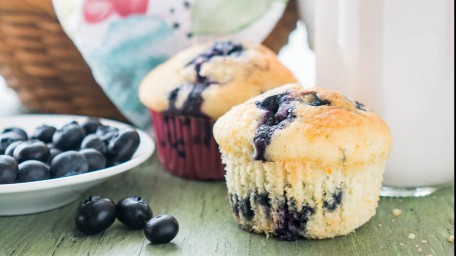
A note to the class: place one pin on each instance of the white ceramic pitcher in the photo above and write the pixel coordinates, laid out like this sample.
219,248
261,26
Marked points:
396,56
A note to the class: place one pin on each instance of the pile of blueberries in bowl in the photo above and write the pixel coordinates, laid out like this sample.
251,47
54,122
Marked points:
74,149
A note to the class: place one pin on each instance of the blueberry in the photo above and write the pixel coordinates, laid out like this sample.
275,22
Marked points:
69,137
7,139
95,215
8,169
17,131
194,99
54,152
279,111
91,125
10,149
106,133
134,212
106,129
317,101
290,221
334,201
106,139
32,150
246,209
32,171
361,106
68,164
94,141
95,159
123,146
161,229
44,133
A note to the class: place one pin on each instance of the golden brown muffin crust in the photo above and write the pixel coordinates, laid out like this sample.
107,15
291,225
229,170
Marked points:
321,126
232,79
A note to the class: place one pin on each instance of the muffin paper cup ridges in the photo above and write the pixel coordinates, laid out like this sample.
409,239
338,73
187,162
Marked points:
296,198
186,147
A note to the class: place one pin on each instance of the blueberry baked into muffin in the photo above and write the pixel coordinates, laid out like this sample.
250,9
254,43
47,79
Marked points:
190,91
303,163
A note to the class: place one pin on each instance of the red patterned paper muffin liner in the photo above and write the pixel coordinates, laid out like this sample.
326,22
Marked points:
187,148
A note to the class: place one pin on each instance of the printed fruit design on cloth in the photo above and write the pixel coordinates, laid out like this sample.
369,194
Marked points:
95,11
125,8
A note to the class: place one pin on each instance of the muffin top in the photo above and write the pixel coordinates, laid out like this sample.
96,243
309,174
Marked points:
293,123
207,80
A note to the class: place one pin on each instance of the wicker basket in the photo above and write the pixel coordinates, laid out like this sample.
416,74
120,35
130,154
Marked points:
48,73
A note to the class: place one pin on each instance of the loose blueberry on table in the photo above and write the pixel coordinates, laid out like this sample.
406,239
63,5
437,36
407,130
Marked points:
134,212
95,215
161,229
72,150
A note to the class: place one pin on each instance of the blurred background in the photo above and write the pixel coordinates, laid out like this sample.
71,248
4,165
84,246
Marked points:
296,55
9,103
372,51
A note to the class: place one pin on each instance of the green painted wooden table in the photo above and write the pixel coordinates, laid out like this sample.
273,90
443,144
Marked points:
207,227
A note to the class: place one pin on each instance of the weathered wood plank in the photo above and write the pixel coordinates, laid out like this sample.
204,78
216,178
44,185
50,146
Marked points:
207,228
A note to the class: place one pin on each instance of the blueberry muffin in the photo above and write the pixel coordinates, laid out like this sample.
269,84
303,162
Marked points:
189,92
303,163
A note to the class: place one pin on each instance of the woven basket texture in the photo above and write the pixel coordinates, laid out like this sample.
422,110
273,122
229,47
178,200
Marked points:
40,62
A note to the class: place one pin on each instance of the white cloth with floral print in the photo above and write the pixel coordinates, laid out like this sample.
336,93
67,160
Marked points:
122,40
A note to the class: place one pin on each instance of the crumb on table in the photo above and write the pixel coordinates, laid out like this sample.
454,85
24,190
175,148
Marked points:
451,239
397,212
411,236
424,241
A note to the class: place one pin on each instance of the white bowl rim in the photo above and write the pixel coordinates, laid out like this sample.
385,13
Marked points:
140,157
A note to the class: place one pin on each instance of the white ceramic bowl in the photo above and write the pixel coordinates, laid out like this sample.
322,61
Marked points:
40,196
